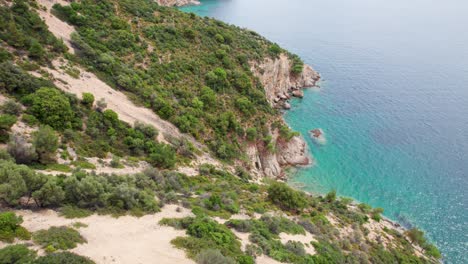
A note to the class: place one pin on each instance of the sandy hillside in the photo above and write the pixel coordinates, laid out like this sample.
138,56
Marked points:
125,239
117,101
60,29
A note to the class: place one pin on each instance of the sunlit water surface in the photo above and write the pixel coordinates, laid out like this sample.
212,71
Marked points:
393,102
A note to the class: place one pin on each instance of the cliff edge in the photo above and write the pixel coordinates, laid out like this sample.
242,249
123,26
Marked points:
280,85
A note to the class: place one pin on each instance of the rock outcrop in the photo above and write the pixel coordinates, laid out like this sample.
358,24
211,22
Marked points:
280,84
177,2
278,81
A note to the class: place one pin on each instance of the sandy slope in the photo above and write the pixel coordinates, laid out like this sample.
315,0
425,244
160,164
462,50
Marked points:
60,29
117,101
119,240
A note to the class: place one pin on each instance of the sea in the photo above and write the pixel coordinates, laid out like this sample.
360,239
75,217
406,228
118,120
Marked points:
392,103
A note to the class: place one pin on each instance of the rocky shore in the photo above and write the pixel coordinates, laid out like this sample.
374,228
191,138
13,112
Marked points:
280,85
177,2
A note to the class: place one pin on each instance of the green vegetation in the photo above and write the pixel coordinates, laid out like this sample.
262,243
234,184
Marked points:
10,228
191,71
46,144
56,238
63,112
205,235
21,254
63,257
212,256
50,107
11,107
285,197
417,236
23,29
194,72
6,122
17,254
69,211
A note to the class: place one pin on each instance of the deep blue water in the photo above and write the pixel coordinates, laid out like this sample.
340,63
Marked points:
393,102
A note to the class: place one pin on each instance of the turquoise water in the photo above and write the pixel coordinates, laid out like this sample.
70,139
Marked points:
393,102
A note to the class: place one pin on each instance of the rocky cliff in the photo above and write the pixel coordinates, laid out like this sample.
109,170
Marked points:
177,2
280,85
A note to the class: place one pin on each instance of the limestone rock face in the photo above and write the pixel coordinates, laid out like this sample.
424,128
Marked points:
280,84
177,2
265,163
293,152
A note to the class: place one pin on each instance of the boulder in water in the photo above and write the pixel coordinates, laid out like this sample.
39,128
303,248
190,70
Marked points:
318,136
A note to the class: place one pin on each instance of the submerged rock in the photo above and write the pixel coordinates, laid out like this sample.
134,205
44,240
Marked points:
318,136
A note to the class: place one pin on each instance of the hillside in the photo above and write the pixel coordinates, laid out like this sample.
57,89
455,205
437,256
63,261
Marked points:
125,107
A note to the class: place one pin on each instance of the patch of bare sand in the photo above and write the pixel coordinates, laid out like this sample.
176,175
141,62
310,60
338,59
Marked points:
3,99
125,239
59,28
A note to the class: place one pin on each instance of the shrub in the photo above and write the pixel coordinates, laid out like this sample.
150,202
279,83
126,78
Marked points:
70,211
162,156
147,130
432,250
30,119
285,197
51,107
63,257
297,248
251,134
88,99
274,49
376,214
213,256
45,142
331,196
11,107
4,155
17,254
58,237
21,150
10,227
115,162
6,122
50,194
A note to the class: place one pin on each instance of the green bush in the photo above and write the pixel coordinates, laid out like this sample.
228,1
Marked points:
11,107
286,198
213,256
45,141
58,237
21,150
17,254
10,228
6,122
30,119
62,258
88,99
70,211
51,107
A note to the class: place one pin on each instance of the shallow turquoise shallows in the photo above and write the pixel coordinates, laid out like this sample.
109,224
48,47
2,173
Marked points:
393,102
